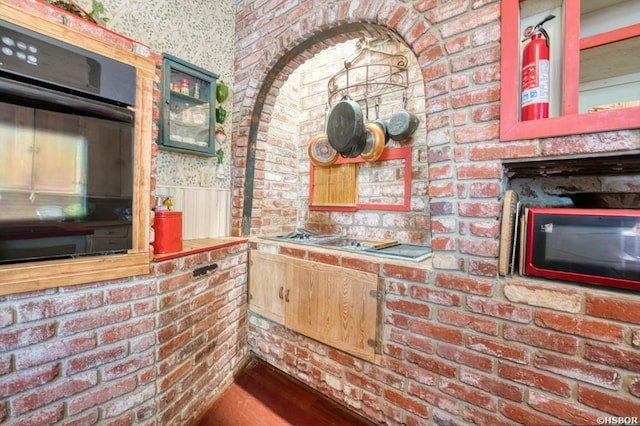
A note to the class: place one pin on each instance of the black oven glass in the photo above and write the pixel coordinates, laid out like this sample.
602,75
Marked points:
66,149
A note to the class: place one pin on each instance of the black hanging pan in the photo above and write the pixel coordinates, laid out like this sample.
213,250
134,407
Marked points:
402,124
345,129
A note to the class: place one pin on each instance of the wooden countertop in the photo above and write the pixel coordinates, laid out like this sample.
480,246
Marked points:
197,246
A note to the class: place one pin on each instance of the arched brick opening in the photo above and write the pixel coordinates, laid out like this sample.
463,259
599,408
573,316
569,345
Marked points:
254,101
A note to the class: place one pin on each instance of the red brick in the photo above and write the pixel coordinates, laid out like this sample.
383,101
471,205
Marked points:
54,350
623,310
480,17
594,329
440,297
504,150
51,307
588,144
93,320
407,307
412,405
344,359
608,403
126,330
130,292
412,340
462,356
443,243
612,356
363,382
128,365
578,370
498,309
432,364
479,209
492,385
483,267
434,397
481,417
466,320
476,58
485,229
47,416
541,338
479,171
477,96
535,379
524,416
471,395
458,44
172,377
487,112
498,348
465,284
562,409
174,344
29,379
405,273
26,336
436,331
63,388
101,356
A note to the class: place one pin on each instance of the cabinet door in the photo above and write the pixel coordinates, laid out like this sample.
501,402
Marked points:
334,305
187,110
60,155
16,147
267,284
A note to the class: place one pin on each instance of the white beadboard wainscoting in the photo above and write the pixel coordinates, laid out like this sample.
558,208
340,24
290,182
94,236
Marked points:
206,212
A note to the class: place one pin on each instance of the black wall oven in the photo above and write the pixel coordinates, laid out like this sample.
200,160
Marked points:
66,149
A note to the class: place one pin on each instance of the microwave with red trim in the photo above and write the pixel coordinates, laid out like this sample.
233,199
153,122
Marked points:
594,246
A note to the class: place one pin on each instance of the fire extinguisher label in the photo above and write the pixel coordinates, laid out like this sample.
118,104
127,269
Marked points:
535,85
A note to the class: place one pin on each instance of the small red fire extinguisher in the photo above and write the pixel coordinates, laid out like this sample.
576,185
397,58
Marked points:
535,72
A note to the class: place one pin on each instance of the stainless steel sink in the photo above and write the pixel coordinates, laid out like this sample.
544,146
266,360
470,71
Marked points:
343,243
413,252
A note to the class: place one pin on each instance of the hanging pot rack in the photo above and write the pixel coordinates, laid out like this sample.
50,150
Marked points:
368,75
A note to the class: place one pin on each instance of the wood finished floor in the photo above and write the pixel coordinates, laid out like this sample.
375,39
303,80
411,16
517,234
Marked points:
263,396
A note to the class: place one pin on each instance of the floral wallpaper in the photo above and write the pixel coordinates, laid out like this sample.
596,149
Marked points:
200,32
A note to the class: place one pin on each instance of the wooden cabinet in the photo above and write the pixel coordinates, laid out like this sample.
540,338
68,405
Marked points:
267,284
595,70
334,305
41,151
187,115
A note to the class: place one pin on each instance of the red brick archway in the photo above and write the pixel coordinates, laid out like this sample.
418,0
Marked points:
279,46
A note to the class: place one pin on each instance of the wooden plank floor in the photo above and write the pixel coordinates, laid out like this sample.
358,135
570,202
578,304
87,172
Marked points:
263,396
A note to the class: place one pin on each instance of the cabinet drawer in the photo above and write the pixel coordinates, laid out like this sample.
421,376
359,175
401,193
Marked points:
108,244
112,231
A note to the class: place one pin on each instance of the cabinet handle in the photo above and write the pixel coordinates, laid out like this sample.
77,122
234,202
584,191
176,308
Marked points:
286,296
280,292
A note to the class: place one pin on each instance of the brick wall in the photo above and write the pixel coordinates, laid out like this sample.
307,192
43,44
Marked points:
156,349
461,344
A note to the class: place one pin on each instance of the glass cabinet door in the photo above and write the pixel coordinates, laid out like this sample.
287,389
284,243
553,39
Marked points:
187,111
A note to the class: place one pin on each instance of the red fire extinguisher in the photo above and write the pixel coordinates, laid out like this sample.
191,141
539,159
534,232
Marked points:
535,73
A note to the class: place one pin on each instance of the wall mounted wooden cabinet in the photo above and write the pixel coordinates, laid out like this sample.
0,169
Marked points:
595,68
187,117
336,306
